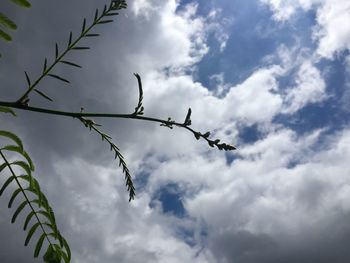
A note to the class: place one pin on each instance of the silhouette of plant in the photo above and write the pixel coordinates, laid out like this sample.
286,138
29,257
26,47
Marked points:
20,171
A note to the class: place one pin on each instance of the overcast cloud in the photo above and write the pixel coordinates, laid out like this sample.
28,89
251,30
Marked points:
283,196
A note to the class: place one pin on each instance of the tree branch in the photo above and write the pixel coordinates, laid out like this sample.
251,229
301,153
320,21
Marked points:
167,123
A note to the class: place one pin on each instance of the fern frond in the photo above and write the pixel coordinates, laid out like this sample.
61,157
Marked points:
40,210
118,155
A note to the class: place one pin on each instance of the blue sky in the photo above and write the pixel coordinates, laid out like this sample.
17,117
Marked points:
269,76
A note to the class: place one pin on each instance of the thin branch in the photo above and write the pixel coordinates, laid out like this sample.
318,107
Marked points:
168,123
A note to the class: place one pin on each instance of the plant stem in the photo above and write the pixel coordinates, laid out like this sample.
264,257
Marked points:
86,114
169,123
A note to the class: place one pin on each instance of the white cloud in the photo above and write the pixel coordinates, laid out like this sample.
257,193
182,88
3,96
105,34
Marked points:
264,197
330,32
218,26
282,10
285,9
131,232
175,38
256,99
275,186
220,87
310,88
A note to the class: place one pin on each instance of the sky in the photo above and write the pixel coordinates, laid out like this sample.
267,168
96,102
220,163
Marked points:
268,76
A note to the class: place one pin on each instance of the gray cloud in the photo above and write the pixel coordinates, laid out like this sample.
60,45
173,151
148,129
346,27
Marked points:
256,209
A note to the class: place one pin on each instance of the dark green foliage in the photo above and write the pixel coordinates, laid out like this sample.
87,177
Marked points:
6,23
33,198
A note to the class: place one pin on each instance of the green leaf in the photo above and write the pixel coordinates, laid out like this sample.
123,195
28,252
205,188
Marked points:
23,3
39,244
112,14
35,188
51,255
96,15
70,38
62,253
7,110
80,48
53,228
47,215
24,166
70,63
104,11
19,209
14,148
66,246
5,36
8,181
43,202
7,22
2,167
31,232
83,27
27,78
105,21
45,65
58,77
28,218
43,94
13,137
13,197
92,35
60,238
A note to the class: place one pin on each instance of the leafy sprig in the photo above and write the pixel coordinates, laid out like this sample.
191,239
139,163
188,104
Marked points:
39,206
72,44
117,154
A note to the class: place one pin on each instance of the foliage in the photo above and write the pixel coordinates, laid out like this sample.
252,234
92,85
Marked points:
40,215
7,24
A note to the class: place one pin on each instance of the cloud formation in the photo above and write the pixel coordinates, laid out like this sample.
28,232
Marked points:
331,37
283,197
